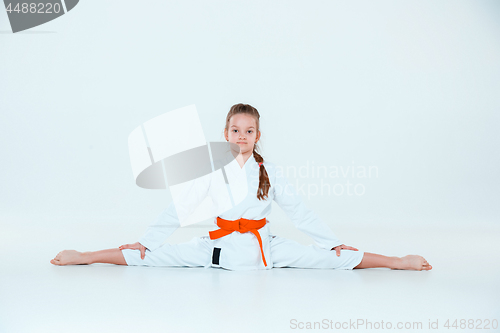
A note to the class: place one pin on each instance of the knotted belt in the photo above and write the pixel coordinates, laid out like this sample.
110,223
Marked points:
241,225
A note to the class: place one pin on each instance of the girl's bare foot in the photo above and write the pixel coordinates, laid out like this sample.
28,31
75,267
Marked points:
413,262
68,257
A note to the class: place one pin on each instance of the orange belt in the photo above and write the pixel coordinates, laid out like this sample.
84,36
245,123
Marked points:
242,225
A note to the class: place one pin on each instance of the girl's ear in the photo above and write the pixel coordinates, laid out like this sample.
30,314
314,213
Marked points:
225,134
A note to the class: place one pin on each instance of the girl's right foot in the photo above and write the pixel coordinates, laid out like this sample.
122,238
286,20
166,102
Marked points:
68,257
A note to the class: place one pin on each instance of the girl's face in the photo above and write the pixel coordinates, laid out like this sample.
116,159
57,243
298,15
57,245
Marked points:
243,132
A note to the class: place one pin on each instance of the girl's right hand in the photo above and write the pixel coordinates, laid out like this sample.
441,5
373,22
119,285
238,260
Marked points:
135,246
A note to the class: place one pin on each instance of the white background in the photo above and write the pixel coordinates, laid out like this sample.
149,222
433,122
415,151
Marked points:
410,87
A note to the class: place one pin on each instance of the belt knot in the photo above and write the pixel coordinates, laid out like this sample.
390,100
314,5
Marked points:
241,225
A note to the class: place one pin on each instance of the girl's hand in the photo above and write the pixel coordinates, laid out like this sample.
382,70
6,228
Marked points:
343,247
135,246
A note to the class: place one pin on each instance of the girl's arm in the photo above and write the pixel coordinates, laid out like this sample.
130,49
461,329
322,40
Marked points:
168,221
304,219
161,228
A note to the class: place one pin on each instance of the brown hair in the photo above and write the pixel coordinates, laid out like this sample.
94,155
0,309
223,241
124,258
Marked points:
264,184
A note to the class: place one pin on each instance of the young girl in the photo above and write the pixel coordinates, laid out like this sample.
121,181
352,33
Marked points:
243,240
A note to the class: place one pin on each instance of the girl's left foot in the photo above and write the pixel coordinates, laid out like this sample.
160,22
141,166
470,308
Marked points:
68,257
413,262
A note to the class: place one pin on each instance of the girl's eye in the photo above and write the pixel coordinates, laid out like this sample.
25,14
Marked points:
235,130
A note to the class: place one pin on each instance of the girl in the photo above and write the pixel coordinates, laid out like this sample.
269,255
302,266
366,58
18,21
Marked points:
243,240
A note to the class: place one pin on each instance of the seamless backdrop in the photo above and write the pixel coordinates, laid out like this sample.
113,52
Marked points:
409,88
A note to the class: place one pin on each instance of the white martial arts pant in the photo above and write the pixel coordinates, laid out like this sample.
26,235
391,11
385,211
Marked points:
284,252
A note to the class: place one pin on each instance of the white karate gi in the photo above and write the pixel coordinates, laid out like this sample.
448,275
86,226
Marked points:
241,251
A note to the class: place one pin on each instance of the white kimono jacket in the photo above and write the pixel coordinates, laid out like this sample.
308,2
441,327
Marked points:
242,251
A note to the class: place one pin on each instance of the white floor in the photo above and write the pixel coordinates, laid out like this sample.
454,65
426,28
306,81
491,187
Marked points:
36,296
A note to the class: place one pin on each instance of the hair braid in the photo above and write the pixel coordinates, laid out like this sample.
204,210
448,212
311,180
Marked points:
264,184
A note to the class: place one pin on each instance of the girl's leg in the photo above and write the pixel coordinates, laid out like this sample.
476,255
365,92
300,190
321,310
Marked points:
72,257
411,262
195,253
289,253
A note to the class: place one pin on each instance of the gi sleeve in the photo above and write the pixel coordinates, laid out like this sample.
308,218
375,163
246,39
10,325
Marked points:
168,221
161,228
304,219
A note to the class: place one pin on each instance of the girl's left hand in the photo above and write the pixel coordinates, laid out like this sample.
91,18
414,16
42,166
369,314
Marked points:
343,247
